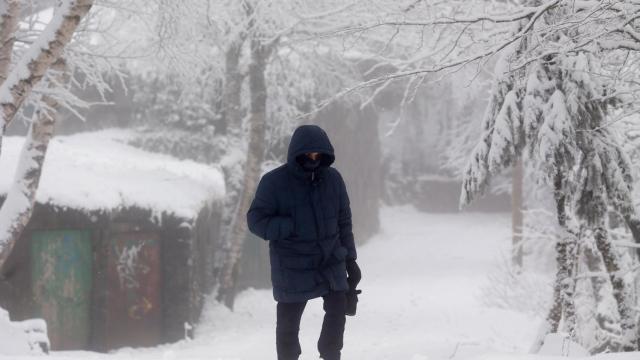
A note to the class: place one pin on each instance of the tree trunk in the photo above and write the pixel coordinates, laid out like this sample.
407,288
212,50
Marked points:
620,291
568,250
255,155
517,205
563,304
232,116
9,17
607,322
8,28
232,108
18,205
567,253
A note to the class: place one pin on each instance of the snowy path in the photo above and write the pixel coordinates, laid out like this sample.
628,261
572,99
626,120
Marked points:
421,279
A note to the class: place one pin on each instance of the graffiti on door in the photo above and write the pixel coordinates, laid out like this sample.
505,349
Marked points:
130,266
134,273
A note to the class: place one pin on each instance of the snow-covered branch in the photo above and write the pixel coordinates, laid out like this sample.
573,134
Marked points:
42,53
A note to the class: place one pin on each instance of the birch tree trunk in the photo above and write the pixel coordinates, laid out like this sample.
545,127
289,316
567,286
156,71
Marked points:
255,153
18,206
9,16
47,49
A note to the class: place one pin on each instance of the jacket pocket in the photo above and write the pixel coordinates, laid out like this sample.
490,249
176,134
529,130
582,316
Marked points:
278,279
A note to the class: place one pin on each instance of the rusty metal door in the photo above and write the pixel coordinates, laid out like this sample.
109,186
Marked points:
61,280
133,295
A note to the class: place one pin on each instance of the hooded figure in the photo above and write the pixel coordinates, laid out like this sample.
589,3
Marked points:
302,209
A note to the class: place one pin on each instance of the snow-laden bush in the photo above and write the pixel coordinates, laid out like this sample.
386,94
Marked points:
527,288
510,288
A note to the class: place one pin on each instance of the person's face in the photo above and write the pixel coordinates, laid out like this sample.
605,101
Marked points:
313,156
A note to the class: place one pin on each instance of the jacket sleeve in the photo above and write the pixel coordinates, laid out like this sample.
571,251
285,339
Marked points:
344,221
262,217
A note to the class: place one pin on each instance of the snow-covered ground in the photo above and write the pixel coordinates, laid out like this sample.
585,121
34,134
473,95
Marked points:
422,277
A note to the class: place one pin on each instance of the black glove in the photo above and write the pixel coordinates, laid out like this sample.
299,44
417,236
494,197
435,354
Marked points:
354,277
354,273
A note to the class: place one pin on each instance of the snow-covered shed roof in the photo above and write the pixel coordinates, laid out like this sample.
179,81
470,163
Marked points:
100,171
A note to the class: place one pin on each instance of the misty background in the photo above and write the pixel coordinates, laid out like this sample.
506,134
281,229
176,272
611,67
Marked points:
490,152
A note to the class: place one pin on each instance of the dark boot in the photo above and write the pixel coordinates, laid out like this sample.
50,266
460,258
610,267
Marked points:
330,342
287,329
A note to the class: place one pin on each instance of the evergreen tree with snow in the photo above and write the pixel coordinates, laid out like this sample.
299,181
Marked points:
554,109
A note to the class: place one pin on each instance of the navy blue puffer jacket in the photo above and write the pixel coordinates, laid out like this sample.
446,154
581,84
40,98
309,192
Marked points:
306,218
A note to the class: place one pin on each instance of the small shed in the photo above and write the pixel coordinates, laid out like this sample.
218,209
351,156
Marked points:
119,250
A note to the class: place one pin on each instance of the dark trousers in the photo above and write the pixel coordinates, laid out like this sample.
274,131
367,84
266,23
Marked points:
288,326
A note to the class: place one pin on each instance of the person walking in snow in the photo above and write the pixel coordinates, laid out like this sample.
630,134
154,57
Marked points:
302,209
